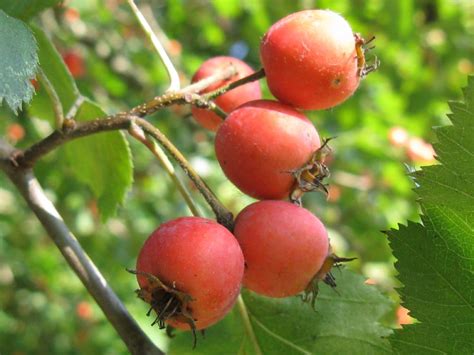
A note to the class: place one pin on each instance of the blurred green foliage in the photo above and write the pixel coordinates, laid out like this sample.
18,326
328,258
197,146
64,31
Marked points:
425,47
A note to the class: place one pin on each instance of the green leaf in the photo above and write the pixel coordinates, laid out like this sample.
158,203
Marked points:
226,337
436,259
344,322
18,61
59,76
102,161
25,9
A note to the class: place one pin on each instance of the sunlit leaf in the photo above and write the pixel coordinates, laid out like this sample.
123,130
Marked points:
344,321
25,9
436,259
18,61
59,76
102,161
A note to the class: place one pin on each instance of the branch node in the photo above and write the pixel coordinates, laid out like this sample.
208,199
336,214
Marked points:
69,125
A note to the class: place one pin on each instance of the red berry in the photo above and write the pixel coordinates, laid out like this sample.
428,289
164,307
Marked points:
284,247
334,194
259,145
229,100
71,15
35,84
398,136
310,59
420,151
75,64
84,310
15,132
200,263
175,48
403,316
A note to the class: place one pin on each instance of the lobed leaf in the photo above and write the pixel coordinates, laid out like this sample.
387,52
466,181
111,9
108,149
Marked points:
18,61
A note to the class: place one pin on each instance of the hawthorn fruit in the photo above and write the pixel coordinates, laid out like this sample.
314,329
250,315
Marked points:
231,99
420,151
398,136
261,144
190,271
75,64
310,59
284,247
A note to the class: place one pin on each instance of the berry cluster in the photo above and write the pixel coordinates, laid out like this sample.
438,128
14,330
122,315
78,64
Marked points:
190,269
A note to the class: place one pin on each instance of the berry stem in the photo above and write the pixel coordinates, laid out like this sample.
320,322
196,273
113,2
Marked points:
137,133
248,325
26,183
121,120
200,102
173,75
259,74
55,101
223,215
74,108
22,159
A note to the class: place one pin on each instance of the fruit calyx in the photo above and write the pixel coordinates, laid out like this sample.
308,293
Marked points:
311,175
167,302
363,69
324,274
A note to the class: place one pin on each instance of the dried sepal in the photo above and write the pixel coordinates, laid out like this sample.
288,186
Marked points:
167,302
361,47
311,175
324,274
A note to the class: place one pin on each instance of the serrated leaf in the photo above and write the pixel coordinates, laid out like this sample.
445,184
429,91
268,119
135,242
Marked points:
59,76
436,259
436,291
344,322
18,61
102,161
25,9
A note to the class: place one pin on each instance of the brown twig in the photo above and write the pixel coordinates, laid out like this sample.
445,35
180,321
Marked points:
123,120
136,132
259,74
200,102
180,97
27,158
223,215
135,339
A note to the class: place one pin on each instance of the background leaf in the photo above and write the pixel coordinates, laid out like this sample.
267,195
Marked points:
18,61
436,259
226,337
346,320
59,76
102,161
25,9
